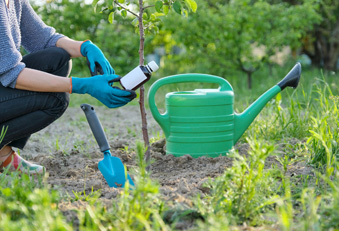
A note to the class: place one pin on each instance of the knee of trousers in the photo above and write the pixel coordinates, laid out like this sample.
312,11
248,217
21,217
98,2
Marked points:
59,105
62,61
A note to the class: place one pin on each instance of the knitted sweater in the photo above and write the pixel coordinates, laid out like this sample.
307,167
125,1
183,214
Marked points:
20,25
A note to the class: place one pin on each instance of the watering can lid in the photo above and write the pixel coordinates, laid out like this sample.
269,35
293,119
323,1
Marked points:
200,97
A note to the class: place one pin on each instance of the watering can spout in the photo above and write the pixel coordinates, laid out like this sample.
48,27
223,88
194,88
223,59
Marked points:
292,78
243,120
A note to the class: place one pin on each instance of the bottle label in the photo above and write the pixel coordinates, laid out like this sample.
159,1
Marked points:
133,78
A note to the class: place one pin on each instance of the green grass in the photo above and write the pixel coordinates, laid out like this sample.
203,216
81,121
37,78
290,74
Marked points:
297,126
3,132
245,191
28,204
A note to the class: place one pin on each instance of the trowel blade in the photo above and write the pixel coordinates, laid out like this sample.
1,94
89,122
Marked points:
114,172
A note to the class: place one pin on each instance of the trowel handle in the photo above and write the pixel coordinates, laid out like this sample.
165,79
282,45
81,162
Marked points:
182,78
95,125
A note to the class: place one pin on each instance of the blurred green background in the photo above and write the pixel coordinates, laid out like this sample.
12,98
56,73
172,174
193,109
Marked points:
252,44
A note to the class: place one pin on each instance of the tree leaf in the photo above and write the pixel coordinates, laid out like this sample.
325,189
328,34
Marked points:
94,4
145,16
156,16
135,22
193,5
185,12
166,9
111,17
158,6
177,7
121,1
124,13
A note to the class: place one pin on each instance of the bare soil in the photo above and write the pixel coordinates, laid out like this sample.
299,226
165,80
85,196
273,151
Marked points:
70,154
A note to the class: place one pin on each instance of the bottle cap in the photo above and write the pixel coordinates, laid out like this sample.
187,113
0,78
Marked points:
153,66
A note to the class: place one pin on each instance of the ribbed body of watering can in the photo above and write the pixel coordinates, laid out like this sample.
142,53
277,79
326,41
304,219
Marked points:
203,122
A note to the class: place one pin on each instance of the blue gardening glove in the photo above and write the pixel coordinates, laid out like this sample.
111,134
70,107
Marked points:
99,87
96,60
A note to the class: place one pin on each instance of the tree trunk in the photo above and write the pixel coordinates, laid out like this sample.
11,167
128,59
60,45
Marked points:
142,89
325,50
249,79
333,49
270,68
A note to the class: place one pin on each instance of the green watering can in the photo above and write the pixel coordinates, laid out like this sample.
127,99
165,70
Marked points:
203,122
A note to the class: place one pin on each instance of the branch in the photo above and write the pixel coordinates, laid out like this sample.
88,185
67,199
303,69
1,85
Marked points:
125,8
145,7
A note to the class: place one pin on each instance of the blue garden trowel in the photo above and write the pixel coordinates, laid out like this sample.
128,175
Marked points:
111,167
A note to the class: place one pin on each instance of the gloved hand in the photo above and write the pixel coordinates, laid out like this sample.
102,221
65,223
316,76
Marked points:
99,87
95,59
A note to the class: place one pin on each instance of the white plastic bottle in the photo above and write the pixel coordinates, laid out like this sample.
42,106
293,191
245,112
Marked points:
138,76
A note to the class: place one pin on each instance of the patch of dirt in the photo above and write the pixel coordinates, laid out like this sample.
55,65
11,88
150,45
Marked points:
70,154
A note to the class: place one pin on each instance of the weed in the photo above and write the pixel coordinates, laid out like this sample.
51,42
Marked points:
131,131
79,145
82,196
284,208
285,161
323,142
156,137
310,204
245,190
125,149
27,205
137,209
3,132
57,146
329,205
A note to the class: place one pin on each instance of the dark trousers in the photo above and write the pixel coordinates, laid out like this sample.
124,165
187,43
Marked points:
26,112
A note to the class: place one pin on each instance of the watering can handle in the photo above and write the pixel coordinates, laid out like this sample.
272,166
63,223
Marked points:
182,78
95,126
